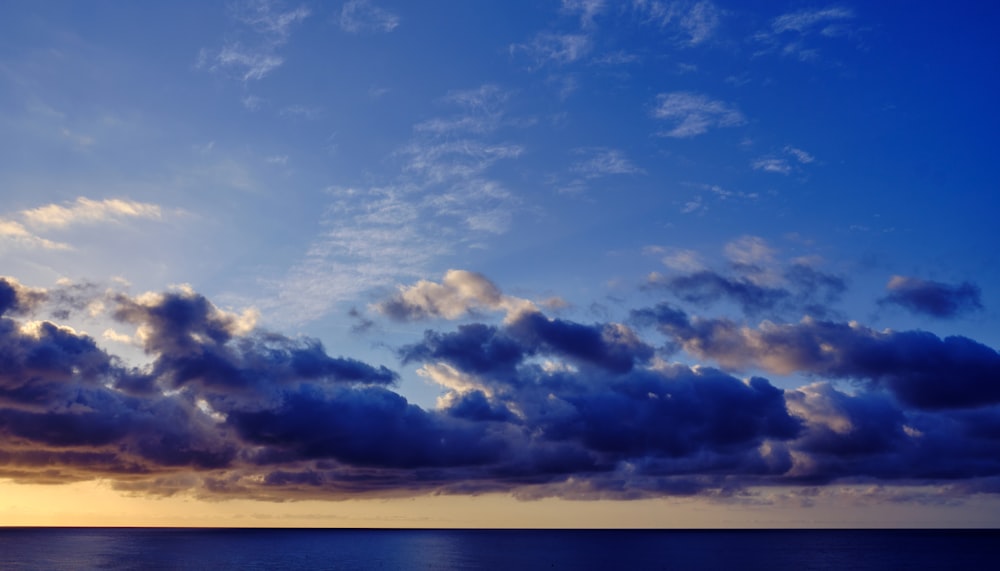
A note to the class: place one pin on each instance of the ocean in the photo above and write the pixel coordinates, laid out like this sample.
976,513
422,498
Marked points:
517,550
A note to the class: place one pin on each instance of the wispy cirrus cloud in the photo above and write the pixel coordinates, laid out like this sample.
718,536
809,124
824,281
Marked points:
714,193
778,166
691,22
694,114
357,16
442,199
600,162
792,161
554,48
481,110
265,28
791,34
807,20
587,9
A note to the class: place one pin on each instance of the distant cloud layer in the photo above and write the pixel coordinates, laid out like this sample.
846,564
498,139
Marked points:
537,406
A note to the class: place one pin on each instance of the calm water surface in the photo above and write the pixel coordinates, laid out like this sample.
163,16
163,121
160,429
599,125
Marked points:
771,550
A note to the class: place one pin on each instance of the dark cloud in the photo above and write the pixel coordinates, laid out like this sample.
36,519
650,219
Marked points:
480,348
919,368
801,289
194,343
932,298
535,407
16,299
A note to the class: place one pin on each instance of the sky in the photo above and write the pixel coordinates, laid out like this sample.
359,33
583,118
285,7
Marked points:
578,263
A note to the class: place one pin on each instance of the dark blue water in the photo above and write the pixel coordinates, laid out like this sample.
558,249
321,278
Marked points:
771,550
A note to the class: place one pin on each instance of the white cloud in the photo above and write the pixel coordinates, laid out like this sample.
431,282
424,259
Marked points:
362,16
268,29
249,63
15,232
482,111
800,155
804,20
790,33
588,9
754,259
442,199
558,49
60,216
714,193
681,259
693,22
603,162
779,166
460,292
260,15
750,251
694,113
87,211
724,194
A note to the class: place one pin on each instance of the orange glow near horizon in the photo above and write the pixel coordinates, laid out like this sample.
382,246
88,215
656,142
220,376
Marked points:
95,504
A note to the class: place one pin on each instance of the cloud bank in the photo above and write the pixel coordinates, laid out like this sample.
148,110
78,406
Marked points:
535,406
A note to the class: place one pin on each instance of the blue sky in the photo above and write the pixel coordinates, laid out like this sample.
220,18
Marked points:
510,227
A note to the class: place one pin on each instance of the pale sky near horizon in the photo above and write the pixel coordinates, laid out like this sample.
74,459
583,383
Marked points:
634,263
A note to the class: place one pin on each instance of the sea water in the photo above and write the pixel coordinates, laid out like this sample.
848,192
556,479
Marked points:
508,550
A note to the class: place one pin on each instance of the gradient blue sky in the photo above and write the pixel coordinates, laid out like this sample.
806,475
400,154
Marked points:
534,222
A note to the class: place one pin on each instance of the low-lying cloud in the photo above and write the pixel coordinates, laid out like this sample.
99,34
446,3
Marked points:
534,406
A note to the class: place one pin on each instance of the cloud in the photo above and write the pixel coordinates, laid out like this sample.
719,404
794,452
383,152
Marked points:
588,10
808,290
779,166
694,114
253,56
443,198
800,155
83,211
678,258
782,165
600,162
918,368
932,298
482,111
790,34
16,233
756,282
552,48
17,299
535,407
362,16
460,293
694,22
806,20
88,211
